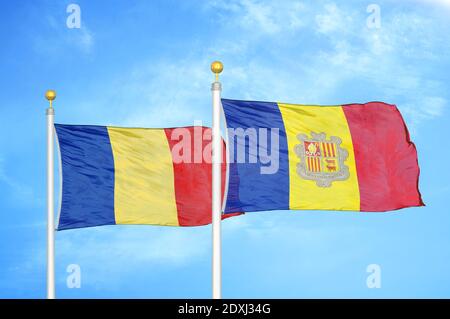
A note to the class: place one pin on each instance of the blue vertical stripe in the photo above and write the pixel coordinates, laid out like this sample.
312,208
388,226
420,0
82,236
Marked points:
88,176
248,189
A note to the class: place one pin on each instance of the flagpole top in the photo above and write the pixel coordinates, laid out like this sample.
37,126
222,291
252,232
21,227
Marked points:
217,68
50,95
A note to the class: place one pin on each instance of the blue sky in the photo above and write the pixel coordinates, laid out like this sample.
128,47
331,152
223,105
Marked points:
146,63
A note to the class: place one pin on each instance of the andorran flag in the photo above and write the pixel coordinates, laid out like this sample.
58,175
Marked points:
113,175
356,157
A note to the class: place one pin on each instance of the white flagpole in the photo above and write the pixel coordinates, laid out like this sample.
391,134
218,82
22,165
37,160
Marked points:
50,95
216,88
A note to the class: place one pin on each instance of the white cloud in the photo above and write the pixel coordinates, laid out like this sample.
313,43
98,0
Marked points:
388,58
164,93
332,20
109,252
434,106
60,38
261,17
424,109
347,50
443,3
147,245
84,39
169,94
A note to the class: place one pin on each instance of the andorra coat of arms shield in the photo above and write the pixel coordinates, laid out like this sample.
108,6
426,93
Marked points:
321,160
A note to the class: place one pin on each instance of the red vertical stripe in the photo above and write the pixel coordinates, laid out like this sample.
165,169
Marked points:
328,149
324,150
193,180
386,159
318,165
332,150
309,163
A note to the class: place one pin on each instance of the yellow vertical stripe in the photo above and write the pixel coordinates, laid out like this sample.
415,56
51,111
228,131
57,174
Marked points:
144,191
305,194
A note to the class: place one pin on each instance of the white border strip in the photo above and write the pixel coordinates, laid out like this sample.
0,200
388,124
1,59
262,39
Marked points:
227,159
60,178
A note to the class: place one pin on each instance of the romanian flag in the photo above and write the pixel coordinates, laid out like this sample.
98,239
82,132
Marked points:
113,175
355,157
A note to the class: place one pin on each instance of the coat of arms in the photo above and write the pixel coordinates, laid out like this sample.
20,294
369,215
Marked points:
321,160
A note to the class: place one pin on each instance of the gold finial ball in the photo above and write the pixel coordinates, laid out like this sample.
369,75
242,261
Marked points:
50,95
216,67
